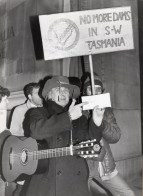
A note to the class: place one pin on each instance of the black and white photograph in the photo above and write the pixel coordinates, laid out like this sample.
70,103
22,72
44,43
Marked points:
71,97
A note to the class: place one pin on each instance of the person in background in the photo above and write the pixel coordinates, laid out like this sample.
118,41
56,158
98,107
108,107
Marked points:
4,93
31,92
60,123
103,175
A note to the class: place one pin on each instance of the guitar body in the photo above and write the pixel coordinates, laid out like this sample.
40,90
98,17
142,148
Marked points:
21,157
17,159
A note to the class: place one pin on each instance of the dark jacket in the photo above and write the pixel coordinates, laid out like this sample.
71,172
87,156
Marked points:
65,175
3,136
109,132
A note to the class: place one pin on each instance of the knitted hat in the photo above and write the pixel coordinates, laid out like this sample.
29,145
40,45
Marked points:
87,81
60,81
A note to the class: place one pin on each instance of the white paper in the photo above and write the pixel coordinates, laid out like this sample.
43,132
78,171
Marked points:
102,100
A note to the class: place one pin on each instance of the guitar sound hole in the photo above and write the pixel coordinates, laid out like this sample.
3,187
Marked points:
24,156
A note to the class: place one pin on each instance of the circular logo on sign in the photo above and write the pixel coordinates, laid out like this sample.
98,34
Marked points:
63,34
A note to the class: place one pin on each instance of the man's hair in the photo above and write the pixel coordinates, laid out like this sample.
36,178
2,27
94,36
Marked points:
28,89
4,92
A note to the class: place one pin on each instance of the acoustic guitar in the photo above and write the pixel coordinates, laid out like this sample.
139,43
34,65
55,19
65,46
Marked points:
21,156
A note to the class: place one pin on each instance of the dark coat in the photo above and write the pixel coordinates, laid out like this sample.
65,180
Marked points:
65,175
3,136
110,132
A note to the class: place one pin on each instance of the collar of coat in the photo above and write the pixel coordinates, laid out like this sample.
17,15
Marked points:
55,108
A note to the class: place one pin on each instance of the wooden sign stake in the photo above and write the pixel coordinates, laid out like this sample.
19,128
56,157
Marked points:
91,72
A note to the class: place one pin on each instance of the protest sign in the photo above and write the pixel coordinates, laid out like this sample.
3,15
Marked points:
78,33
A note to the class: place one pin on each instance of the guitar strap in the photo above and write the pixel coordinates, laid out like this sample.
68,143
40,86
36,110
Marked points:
71,142
71,137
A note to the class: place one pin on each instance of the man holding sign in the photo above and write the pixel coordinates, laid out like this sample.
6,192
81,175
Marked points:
103,127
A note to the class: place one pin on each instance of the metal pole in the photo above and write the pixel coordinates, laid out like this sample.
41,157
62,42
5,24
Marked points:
91,72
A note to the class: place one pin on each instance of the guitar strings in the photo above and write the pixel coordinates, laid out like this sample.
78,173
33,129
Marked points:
44,152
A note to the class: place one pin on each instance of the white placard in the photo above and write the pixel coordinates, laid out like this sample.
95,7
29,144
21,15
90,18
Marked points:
77,33
102,100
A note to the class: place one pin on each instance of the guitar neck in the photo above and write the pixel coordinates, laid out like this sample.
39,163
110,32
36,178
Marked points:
51,153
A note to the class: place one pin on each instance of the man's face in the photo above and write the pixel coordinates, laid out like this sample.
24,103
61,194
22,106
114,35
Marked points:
4,103
35,98
60,95
97,89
